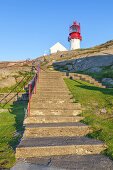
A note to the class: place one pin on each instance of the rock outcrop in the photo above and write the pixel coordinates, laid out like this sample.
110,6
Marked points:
7,82
88,64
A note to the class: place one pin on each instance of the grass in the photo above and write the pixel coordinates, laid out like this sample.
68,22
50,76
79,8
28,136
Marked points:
94,100
10,132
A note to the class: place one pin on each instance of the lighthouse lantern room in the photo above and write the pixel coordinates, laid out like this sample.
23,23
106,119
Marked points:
75,36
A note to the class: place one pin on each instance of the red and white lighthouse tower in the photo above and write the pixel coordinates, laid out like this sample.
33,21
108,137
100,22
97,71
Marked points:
75,36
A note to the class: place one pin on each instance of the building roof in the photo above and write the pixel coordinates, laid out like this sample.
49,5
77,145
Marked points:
58,45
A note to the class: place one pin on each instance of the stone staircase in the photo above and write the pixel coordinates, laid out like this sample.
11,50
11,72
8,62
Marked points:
86,78
54,135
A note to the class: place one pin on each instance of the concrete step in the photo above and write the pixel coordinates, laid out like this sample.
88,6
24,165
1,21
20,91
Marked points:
53,92
87,79
50,74
56,94
55,106
50,77
73,162
51,97
51,119
51,112
61,84
54,101
77,78
50,86
46,89
37,147
55,130
51,80
56,79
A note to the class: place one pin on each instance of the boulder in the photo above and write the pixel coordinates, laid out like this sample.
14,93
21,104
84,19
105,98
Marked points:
4,73
18,79
107,80
7,82
70,67
94,69
7,73
103,110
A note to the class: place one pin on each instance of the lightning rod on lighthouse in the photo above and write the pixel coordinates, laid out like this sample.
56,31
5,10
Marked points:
75,36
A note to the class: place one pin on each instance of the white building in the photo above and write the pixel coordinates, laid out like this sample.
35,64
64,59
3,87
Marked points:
57,47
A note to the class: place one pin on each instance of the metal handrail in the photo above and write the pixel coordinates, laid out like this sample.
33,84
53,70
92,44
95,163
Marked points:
34,80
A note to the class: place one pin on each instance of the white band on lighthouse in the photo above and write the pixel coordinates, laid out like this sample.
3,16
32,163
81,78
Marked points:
75,44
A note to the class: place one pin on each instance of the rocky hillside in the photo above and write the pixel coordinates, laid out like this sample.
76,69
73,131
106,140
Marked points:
79,53
12,73
96,61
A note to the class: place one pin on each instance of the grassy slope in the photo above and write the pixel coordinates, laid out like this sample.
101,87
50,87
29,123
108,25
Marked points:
93,99
10,132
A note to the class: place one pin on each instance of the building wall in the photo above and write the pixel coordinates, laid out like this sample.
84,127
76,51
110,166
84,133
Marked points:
56,48
75,44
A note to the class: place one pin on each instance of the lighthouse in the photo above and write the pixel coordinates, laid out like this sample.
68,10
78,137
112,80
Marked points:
75,36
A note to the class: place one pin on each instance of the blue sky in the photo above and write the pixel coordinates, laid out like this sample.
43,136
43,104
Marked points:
28,28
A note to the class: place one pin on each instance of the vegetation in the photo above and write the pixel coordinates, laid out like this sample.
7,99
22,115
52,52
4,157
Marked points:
11,130
97,106
19,87
44,63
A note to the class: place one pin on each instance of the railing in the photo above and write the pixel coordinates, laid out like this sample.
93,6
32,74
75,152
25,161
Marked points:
16,94
32,86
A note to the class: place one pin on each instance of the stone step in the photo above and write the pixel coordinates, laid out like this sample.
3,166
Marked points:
37,147
51,112
48,78
55,79
51,119
88,79
50,74
46,89
51,81
77,78
52,84
55,130
51,97
55,106
73,162
53,92
54,101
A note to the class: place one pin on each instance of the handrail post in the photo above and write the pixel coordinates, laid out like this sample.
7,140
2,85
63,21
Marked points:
34,80
35,83
38,75
29,99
